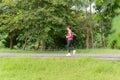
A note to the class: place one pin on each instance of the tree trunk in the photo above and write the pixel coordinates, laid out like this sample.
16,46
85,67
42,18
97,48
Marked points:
43,45
87,38
87,30
25,44
11,40
102,36
92,37
37,45
103,40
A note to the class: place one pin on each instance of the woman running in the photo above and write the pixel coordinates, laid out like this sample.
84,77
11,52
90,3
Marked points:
69,40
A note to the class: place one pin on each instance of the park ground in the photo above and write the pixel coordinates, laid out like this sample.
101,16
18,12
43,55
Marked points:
60,68
86,68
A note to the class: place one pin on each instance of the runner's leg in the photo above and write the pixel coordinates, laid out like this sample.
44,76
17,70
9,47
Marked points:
69,45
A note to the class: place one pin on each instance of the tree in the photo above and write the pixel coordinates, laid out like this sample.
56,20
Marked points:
105,12
8,19
114,37
35,20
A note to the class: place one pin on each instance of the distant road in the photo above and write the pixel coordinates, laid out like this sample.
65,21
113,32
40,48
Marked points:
100,56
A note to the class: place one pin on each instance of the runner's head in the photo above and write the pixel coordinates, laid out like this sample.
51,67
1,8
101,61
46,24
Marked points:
68,27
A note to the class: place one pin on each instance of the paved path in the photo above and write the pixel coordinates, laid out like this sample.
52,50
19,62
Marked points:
100,56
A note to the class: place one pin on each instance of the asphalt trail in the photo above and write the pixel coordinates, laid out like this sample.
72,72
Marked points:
57,55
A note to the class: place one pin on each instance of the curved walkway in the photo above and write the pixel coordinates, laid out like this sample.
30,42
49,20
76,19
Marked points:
100,56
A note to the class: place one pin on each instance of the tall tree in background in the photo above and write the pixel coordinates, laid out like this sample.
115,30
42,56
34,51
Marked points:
9,19
114,36
105,13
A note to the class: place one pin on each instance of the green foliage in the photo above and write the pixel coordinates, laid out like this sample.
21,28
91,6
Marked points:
2,40
45,20
114,37
36,19
106,11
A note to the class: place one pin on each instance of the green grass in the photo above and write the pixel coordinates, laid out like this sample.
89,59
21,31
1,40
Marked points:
30,51
58,69
84,51
99,51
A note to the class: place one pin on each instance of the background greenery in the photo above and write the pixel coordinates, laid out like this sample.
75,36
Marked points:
41,24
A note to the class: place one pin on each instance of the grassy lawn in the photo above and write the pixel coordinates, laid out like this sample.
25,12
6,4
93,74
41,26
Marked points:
99,51
58,69
30,51
85,51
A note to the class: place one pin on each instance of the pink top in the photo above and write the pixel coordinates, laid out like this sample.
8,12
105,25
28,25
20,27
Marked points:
70,36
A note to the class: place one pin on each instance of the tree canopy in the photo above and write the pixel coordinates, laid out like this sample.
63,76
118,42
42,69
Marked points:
41,24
